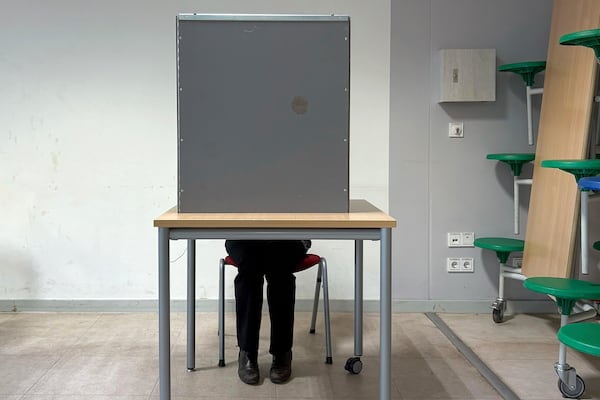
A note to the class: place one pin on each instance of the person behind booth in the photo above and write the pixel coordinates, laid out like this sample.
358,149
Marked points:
274,260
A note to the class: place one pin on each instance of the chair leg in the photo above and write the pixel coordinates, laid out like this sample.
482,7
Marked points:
323,267
313,321
221,312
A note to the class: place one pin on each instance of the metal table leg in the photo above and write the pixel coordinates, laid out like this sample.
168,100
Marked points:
358,298
164,322
385,312
191,305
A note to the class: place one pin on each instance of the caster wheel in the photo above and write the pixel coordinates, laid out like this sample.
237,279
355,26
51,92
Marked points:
575,393
353,365
498,315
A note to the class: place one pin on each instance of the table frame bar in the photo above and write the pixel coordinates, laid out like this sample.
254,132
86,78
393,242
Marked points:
166,234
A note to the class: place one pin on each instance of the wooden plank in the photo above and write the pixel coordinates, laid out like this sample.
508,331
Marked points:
563,134
362,215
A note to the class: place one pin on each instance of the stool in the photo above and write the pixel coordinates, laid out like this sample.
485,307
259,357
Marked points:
309,261
503,247
583,337
580,169
588,38
527,70
515,161
566,293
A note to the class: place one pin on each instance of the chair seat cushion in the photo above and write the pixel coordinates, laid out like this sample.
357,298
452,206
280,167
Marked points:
308,261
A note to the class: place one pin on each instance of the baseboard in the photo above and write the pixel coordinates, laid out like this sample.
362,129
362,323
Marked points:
398,306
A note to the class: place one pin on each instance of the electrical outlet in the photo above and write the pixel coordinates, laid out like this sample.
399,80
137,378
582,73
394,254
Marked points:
468,239
454,239
466,264
455,130
453,264
461,239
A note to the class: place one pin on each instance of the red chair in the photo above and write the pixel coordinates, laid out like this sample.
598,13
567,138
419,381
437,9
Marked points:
309,261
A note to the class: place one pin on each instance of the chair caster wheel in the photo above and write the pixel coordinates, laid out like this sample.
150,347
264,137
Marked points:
353,365
498,308
498,315
569,393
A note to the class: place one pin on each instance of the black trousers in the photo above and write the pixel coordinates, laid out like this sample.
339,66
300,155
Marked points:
274,260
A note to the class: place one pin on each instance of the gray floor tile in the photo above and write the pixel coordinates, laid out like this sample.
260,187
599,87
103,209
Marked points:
43,334
107,375
435,378
18,373
81,397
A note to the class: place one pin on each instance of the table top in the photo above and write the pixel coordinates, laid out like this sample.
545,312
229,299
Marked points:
362,215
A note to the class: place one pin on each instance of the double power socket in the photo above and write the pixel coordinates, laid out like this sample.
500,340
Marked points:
460,264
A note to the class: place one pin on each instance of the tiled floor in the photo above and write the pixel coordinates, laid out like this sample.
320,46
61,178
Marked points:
97,356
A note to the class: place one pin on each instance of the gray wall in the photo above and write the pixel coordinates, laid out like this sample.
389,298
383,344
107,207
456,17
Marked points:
438,184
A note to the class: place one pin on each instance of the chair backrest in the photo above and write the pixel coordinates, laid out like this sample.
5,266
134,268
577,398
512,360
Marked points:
308,261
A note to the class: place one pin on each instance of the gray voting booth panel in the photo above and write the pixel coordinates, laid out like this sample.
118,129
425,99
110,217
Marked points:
263,113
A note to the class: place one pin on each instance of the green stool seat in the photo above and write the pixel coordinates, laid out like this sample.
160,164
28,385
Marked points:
566,291
584,337
526,69
579,168
588,38
502,246
596,245
514,160
564,287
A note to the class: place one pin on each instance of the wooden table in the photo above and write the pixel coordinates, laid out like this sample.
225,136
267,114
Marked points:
362,222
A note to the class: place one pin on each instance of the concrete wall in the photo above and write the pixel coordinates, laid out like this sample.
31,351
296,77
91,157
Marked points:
88,144
88,150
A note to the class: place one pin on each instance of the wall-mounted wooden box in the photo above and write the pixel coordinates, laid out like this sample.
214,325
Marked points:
468,75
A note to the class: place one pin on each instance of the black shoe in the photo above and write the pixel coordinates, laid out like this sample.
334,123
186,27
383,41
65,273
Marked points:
281,368
248,367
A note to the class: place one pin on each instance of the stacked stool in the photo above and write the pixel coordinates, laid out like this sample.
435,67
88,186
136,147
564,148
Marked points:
503,247
527,70
566,293
584,337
